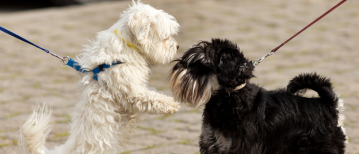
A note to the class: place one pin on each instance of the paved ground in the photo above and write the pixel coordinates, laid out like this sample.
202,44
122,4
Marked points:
29,76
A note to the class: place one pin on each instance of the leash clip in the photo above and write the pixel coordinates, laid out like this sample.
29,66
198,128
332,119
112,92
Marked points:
63,60
256,62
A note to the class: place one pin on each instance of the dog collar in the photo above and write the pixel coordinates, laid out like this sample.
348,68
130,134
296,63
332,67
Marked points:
129,44
239,87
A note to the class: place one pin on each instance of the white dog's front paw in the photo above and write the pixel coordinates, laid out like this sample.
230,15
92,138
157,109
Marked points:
166,106
172,108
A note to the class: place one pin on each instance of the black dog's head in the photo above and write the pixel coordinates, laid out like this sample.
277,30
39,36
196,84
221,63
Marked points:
207,67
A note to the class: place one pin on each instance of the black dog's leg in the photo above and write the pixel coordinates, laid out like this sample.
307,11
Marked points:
207,142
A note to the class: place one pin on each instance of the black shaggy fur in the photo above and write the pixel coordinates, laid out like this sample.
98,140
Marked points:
253,120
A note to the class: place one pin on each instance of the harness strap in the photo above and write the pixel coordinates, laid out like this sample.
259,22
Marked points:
98,69
75,65
95,71
102,67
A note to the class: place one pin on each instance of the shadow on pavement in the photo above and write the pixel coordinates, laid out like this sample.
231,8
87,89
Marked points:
22,5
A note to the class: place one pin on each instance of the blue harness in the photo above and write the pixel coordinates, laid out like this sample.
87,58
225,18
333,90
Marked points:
70,62
95,71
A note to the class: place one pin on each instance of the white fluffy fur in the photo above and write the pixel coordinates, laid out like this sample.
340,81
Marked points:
107,110
341,119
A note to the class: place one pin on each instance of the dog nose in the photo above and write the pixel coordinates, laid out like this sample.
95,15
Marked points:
177,46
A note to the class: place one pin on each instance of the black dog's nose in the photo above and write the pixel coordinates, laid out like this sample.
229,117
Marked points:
177,46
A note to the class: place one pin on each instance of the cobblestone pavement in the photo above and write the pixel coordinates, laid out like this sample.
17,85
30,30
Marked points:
29,76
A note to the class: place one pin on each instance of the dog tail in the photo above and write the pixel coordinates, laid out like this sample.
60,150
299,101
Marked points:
33,133
313,81
323,87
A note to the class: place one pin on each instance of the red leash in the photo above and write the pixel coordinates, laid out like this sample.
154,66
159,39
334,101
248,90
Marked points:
275,49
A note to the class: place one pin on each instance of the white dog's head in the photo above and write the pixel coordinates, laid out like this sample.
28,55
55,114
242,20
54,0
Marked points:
150,30
142,32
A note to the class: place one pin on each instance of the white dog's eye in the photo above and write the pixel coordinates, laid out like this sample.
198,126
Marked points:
166,39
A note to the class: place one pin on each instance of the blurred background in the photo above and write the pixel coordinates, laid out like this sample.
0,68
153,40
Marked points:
29,76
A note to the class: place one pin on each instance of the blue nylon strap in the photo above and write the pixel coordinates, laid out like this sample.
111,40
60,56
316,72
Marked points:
76,66
95,71
22,39
104,66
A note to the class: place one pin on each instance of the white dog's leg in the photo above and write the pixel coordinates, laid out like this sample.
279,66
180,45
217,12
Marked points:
98,125
132,92
152,102
96,128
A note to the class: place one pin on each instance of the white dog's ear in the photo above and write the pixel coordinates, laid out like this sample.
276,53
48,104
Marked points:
139,24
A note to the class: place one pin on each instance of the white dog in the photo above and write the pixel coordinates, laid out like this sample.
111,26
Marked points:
105,115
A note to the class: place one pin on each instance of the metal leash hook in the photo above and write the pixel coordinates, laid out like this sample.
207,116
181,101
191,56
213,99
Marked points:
63,60
256,62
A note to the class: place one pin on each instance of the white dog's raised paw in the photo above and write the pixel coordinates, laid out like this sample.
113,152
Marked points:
172,108
168,107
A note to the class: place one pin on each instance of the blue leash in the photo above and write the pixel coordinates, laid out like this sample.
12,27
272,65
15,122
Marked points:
70,62
22,39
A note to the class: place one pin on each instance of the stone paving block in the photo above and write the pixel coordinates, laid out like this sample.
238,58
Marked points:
182,135
130,148
170,149
158,126
189,118
9,150
152,140
195,127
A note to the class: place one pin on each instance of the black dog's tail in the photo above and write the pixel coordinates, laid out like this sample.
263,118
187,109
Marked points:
320,84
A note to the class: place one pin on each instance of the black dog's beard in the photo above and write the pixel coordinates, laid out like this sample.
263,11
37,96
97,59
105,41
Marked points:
188,89
196,76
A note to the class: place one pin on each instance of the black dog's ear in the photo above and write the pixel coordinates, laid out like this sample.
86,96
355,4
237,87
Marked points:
198,54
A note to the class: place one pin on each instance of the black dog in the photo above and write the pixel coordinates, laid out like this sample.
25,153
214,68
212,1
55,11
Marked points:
242,118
